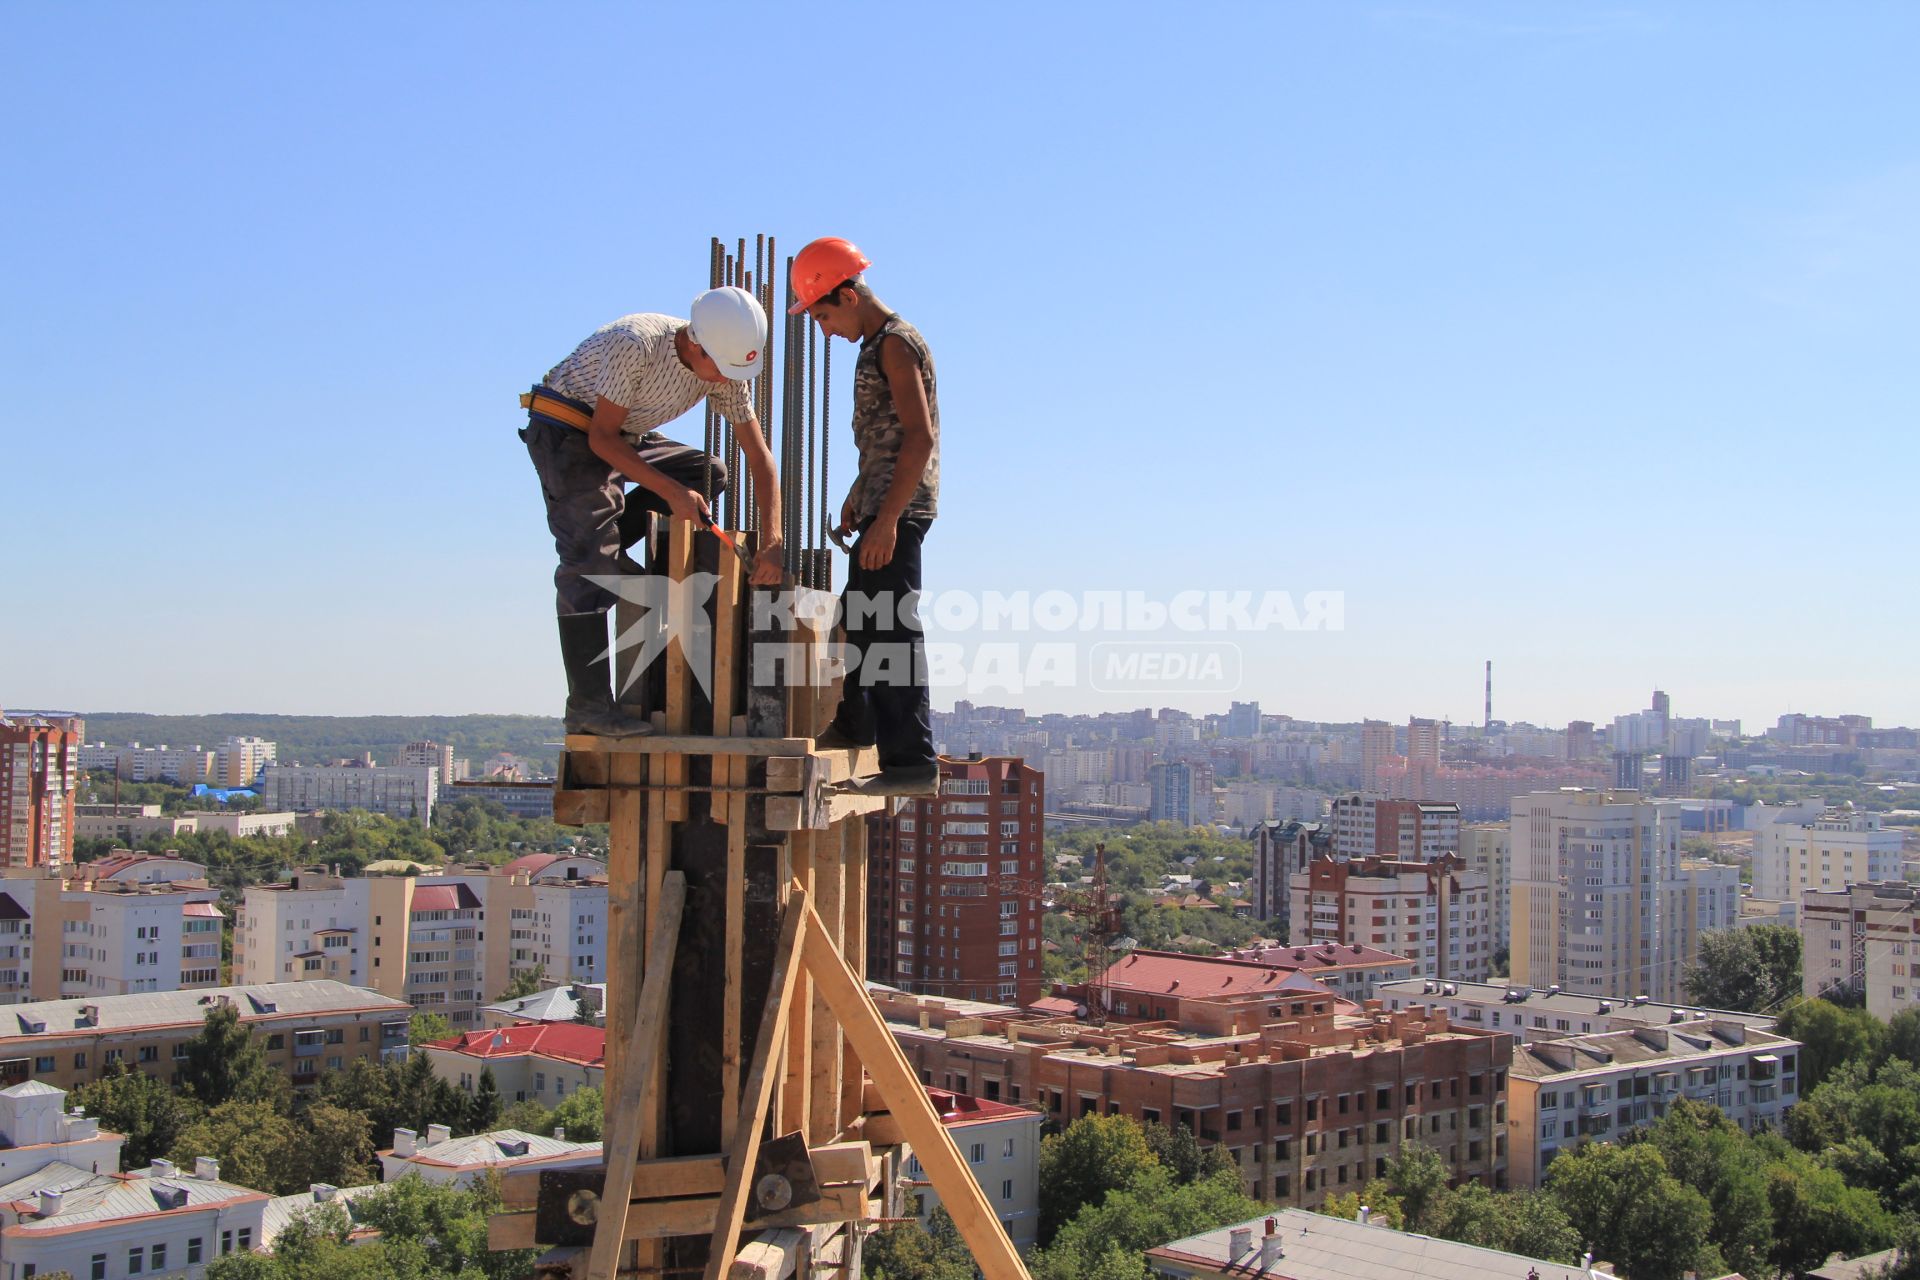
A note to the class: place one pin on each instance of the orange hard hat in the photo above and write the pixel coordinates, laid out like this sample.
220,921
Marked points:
823,266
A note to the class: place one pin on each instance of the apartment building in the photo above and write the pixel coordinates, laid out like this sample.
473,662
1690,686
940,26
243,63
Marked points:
398,791
1800,851
1601,901
581,1002
1305,1104
1485,847
1280,851
1166,986
1436,914
237,762
953,884
183,766
1001,1145
39,782
1549,1014
445,1160
1366,826
1601,1086
114,926
157,1221
448,941
1863,939
36,1130
541,1063
305,1028
131,824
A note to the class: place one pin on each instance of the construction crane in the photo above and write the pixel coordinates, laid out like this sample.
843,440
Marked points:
1101,925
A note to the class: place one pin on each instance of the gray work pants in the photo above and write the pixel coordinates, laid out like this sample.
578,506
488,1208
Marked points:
592,515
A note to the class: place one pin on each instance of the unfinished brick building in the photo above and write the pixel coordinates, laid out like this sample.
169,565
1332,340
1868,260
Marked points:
1306,1101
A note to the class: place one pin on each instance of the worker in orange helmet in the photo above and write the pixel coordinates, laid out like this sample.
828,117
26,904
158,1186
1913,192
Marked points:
895,495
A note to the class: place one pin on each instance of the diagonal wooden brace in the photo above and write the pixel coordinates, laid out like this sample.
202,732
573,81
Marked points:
636,1076
872,1041
757,1095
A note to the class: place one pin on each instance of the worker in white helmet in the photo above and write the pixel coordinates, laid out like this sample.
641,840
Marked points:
593,429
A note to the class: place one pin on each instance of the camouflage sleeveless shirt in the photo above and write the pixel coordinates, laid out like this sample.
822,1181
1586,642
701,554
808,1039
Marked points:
876,427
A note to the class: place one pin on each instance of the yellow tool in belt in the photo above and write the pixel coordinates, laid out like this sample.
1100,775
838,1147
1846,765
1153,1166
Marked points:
547,407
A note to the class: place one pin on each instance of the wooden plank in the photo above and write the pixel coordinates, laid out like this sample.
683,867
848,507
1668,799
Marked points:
774,1256
794,1090
659,1219
631,1087
825,1049
791,773
731,1006
845,1202
657,855
659,1179
979,1226
853,946
727,641
882,1130
679,675
758,1091
795,813
513,1230
690,744
841,1162
625,919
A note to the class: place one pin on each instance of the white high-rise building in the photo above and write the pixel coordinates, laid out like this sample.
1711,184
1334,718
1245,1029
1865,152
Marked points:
1485,847
449,942
1601,903
1798,852
1862,939
115,926
238,761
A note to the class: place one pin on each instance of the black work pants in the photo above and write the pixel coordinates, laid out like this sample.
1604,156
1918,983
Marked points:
884,699
593,515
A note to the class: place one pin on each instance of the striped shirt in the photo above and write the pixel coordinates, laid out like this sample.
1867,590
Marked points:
632,363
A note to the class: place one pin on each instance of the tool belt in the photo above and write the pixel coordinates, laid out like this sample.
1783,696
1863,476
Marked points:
544,404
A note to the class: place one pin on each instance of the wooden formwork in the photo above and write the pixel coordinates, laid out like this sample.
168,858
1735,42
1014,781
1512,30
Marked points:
755,1097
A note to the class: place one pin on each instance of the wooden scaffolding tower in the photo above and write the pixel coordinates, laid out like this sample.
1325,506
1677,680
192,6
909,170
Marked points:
756,1101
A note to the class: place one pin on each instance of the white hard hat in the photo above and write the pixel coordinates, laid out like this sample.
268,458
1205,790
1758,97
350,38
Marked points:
729,324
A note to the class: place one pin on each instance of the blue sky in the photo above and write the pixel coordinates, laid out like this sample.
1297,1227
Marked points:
1577,337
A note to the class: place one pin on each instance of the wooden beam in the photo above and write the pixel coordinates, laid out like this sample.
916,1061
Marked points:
797,813
636,1078
658,1179
625,908
871,1038
790,773
757,1095
774,1256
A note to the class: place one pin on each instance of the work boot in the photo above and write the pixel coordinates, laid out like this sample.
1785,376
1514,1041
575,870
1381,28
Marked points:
909,780
834,738
590,705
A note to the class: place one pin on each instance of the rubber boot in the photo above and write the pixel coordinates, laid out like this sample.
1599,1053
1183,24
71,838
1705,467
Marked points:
590,705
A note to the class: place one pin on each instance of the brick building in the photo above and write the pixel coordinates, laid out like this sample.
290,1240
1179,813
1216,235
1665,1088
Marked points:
954,881
39,779
1307,1104
1436,913
1409,830
1279,850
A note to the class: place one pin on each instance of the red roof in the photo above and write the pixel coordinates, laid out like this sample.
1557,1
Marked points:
1198,977
1055,1005
963,1108
1320,956
531,863
565,1041
444,897
203,909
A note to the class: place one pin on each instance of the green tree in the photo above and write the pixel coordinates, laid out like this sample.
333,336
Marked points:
1751,970
1181,1152
1708,1152
1816,1214
1903,1036
1078,1167
1539,1228
251,1140
1149,1211
483,1109
333,1145
528,1117
225,1063
423,1028
244,1266
1830,1036
581,1113
133,1103
367,1089
1633,1212
909,1251
525,983
447,1225
1417,1178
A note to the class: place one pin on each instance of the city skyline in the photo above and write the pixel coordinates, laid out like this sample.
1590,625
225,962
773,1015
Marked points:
1550,337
